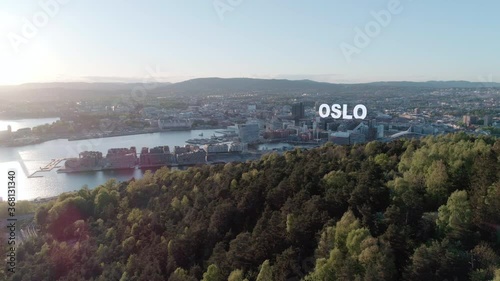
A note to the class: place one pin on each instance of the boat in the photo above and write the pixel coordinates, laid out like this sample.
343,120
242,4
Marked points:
202,141
201,135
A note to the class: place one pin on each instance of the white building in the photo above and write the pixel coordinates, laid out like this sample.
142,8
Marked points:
167,123
216,148
238,147
248,133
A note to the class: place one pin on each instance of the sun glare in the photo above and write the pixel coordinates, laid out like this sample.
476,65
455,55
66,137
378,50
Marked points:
34,63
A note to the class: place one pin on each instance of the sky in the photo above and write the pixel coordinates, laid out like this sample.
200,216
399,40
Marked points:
331,40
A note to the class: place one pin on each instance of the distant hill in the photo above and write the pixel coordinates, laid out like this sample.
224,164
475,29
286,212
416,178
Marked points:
438,84
222,86
56,90
228,85
85,86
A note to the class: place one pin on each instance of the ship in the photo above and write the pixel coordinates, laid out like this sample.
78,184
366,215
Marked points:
202,141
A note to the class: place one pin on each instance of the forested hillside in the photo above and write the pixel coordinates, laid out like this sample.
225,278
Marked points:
406,210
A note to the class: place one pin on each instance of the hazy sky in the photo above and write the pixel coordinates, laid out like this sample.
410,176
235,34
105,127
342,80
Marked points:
118,40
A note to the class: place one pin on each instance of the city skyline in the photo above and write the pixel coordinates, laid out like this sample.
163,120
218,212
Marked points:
74,41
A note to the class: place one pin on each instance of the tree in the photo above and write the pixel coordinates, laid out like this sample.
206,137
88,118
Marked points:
484,261
236,275
488,206
436,181
180,275
497,275
437,261
326,242
383,214
266,272
213,274
455,218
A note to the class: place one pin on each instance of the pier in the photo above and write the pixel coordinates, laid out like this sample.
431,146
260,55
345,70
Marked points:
49,167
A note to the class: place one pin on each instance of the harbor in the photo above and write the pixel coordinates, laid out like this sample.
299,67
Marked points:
41,177
29,159
178,156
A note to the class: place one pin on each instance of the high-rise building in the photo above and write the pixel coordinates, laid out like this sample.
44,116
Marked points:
248,133
487,120
298,112
380,131
468,120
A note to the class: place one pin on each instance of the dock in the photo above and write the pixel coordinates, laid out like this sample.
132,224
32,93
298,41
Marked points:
49,167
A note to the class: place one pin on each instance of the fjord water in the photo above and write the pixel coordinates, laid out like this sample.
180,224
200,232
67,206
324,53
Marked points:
28,159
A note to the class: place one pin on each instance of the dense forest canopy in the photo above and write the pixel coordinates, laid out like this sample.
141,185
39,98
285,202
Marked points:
424,209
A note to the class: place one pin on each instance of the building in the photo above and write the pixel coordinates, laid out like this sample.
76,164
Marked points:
238,147
6,134
408,134
90,158
277,134
157,156
185,149
174,124
248,133
355,138
275,124
87,160
121,158
149,111
216,148
468,120
23,131
298,112
180,149
340,138
487,120
380,131
192,157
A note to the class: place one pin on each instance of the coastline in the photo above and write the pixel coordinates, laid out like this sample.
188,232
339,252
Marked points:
39,140
220,159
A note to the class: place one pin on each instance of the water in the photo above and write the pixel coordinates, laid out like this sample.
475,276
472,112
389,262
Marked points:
25,123
28,159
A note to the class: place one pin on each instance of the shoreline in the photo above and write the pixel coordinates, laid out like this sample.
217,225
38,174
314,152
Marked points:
250,155
15,143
